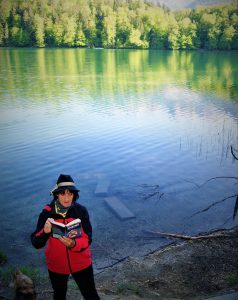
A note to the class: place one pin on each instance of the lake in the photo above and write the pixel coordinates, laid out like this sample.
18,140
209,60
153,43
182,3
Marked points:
157,125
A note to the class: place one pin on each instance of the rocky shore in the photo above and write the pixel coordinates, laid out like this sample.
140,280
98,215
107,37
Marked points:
188,269
193,268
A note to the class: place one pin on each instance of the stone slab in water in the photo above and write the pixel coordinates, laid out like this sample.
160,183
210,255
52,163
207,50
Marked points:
119,208
102,187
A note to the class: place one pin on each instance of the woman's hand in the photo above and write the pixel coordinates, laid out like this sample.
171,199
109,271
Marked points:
68,242
47,226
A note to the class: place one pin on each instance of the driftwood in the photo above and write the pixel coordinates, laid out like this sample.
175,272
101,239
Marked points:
187,237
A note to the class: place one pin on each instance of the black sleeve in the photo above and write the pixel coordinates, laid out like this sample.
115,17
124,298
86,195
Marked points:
39,237
86,224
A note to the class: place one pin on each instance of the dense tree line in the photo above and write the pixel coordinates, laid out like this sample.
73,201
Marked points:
116,24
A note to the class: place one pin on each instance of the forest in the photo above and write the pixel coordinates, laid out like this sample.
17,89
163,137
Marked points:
117,24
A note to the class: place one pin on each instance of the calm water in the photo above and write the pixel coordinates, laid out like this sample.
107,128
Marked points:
156,124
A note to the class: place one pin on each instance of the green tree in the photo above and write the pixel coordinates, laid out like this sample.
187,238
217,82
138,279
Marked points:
49,32
4,35
116,23
58,33
135,40
188,34
173,34
110,31
123,28
2,41
234,24
87,17
225,42
5,8
157,38
158,35
70,26
80,39
209,31
19,37
39,31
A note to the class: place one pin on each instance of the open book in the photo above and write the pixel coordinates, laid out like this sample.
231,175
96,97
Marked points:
71,230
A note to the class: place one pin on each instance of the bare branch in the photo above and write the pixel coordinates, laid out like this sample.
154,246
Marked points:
232,152
219,177
235,208
153,190
211,205
113,264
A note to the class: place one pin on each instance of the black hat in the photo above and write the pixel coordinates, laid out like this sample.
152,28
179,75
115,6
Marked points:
64,182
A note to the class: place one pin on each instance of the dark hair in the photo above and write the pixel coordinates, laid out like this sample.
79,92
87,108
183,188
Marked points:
75,197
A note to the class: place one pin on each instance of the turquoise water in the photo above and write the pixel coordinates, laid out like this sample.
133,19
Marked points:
157,125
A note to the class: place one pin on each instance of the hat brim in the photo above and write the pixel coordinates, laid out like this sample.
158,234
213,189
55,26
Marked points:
63,188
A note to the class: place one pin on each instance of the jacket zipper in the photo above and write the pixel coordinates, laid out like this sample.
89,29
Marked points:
67,254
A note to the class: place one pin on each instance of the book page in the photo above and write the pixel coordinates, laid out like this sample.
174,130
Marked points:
53,222
76,221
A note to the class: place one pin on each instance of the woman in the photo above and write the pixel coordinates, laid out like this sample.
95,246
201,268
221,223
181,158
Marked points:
64,255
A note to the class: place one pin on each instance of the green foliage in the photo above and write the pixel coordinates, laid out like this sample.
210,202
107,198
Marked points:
31,272
80,40
3,258
129,286
38,22
116,24
6,274
72,285
233,278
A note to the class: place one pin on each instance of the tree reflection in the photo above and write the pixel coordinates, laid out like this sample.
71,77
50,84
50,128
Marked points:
109,73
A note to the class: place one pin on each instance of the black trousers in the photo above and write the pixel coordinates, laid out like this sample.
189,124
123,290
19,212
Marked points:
84,280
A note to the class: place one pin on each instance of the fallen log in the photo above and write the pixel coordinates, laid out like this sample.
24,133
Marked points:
187,237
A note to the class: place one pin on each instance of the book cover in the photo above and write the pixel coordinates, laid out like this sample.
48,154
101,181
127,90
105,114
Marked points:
71,230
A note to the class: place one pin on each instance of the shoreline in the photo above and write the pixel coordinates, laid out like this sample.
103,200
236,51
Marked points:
188,270
192,269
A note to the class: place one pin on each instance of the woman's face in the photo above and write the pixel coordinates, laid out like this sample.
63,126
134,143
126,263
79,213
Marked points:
66,198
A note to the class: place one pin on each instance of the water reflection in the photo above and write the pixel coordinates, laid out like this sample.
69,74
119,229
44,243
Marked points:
65,72
138,118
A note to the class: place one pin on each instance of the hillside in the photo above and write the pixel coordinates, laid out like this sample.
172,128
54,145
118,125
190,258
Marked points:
125,25
173,4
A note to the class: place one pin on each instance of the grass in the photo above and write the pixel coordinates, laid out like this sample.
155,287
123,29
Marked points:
31,272
3,258
72,285
129,286
6,274
233,277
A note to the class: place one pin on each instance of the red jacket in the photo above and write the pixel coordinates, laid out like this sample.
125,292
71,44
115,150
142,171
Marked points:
59,258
